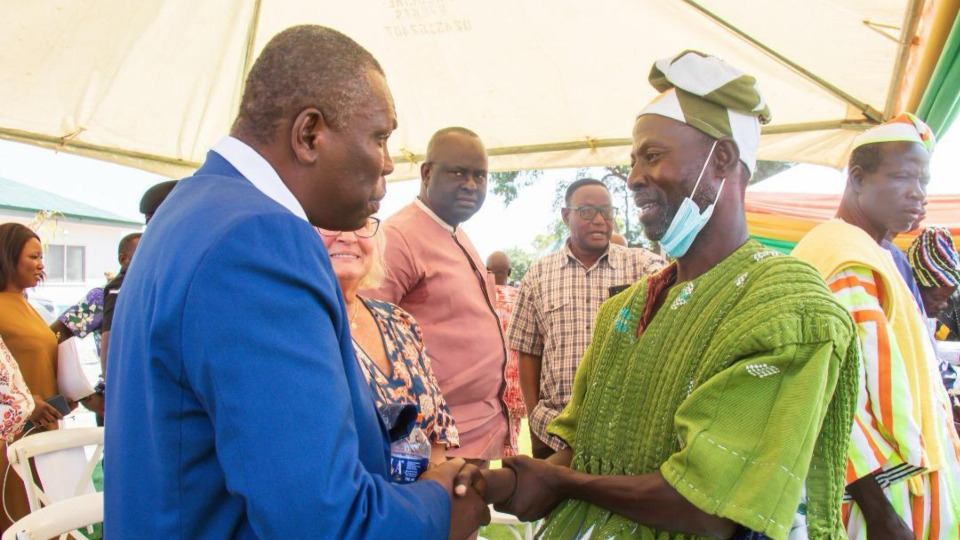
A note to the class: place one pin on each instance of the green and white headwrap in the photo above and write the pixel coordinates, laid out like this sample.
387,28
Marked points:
712,96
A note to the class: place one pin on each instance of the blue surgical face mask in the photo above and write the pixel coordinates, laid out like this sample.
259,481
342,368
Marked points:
689,221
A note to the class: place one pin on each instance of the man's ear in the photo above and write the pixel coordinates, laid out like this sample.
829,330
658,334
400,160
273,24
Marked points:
565,215
426,168
306,135
855,178
726,158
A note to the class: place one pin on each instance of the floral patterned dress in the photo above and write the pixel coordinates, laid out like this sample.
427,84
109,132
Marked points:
16,403
512,396
86,316
411,380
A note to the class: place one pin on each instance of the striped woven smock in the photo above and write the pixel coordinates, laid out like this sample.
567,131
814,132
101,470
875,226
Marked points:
886,441
744,378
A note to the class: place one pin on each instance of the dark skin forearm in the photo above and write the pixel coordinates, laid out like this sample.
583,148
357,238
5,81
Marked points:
529,366
104,343
62,332
561,458
869,497
878,513
647,499
502,482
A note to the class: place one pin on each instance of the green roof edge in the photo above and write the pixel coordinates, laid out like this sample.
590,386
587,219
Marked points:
72,215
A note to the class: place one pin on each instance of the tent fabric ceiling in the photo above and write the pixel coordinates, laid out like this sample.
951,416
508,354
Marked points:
153,84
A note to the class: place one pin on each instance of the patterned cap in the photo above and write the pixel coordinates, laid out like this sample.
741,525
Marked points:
712,96
905,127
934,258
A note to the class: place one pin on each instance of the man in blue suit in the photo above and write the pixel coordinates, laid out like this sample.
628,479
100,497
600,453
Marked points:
237,406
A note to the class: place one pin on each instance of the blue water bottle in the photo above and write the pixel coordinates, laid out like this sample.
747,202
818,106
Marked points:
409,457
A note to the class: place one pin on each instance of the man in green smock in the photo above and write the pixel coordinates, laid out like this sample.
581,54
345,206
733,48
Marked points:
716,397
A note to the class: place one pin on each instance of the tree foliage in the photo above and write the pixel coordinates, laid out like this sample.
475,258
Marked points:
508,184
520,261
766,169
46,223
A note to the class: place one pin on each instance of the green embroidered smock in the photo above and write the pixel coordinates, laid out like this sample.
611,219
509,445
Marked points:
740,391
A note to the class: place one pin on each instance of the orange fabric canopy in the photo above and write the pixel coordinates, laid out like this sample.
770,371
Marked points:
786,217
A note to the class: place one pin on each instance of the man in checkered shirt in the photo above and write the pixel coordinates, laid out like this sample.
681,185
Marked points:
558,301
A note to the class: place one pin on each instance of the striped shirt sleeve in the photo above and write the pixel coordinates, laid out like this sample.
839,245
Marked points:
885,441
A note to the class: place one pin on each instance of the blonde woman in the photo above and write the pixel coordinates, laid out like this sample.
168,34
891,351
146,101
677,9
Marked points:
387,340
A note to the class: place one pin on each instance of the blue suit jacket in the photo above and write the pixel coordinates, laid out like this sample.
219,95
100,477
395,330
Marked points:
237,409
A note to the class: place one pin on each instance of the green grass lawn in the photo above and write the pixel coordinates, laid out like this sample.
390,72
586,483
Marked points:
496,532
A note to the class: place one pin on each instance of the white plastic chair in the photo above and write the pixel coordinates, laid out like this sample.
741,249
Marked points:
20,452
59,519
519,529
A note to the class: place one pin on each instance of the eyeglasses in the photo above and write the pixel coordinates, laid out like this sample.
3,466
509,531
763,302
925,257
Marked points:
367,231
588,212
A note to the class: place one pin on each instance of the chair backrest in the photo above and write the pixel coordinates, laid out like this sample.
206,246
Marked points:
58,519
20,452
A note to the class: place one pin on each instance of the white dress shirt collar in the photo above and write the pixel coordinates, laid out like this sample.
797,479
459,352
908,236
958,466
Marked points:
259,172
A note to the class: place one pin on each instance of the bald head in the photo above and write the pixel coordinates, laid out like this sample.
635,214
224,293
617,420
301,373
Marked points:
442,135
128,245
454,176
617,238
498,263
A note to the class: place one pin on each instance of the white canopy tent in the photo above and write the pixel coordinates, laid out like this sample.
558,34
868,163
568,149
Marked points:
154,83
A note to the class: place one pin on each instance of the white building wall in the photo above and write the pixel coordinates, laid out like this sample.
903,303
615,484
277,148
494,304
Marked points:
100,241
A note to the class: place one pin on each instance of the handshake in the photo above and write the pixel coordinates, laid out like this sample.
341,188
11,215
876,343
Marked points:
525,487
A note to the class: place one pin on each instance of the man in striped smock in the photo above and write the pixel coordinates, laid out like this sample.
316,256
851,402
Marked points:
903,476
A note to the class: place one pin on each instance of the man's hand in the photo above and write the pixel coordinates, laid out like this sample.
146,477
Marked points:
44,414
466,487
892,527
93,403
469,477
501,483
61,331
536,490
538,448
881,518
